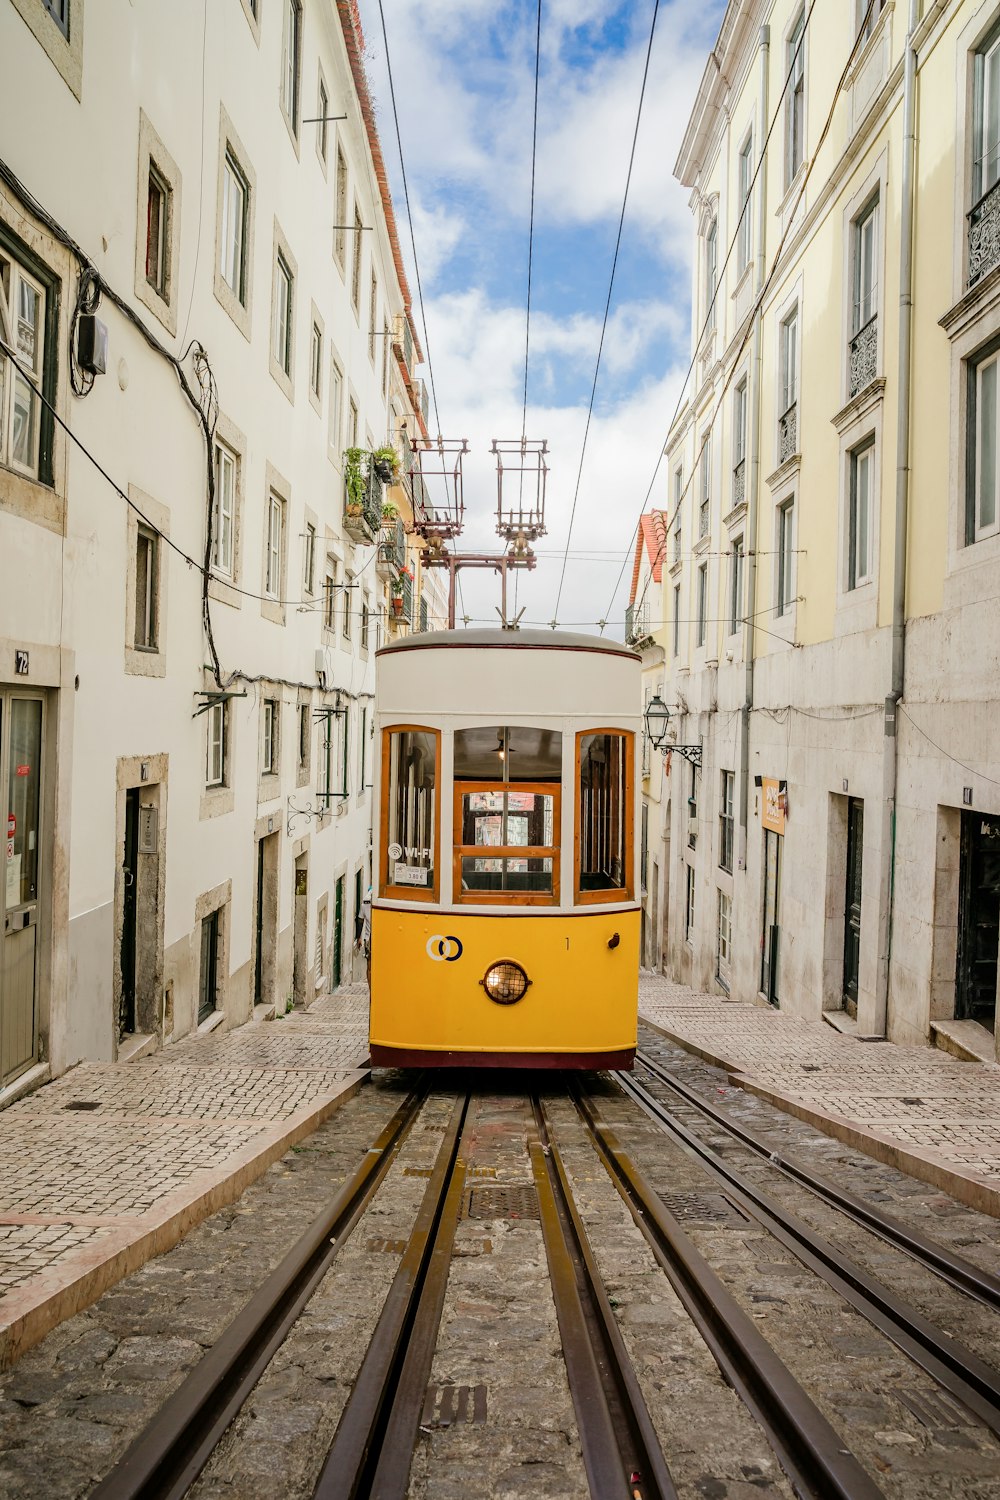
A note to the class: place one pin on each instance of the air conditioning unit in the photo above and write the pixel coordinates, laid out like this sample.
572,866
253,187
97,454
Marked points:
324,667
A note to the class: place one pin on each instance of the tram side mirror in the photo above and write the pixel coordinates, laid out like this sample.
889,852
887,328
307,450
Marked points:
614,940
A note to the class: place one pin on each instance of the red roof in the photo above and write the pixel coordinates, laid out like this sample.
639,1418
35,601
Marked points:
651,536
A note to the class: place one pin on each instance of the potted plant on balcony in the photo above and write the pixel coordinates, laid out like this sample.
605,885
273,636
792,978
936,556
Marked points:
398,586
356,524
385,462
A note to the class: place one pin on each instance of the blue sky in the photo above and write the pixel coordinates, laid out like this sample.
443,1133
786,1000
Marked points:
464,78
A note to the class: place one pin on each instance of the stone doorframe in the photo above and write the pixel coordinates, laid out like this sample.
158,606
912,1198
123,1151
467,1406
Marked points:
148,773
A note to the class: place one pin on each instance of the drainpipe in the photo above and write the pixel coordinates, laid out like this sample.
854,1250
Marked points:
890,741
753,465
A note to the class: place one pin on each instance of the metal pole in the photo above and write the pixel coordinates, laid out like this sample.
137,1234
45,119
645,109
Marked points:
452,561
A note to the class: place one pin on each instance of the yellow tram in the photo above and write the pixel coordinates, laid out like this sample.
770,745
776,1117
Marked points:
505,919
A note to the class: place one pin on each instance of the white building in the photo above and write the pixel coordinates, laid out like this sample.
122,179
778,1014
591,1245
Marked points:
186,684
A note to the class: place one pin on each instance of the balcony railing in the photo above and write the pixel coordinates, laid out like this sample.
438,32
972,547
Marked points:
788,433
739,483
407,598
703,517
364,522
984,235
864,356
391,549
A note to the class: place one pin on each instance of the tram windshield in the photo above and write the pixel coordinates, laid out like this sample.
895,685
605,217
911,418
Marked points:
507,814
409,819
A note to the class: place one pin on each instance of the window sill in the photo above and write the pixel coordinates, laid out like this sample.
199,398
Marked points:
216,801
141,663
785,472
281,378
273,610
31,500
735,515
977,302
702,544
860,406
225,592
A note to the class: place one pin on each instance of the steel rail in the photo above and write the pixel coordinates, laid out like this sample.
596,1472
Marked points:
944,1358
621,1451
169,1454
961,1273
372,1448
809,1449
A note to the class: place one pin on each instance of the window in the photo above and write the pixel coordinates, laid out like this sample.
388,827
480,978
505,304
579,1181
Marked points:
356,263
711,273
411,771
304,719
868,16
224,510
507,811
702,604
736,585
726,823
59,11
333,756
336,406
704,503
644,846
983,503
233,236
744,176
385,357
795,105
348,604
309,559
322,109
272,561
340,209
689,905
281,331
604,816
269,737
291,41
147,560
859,528
786,557
216,767
723,950
363,751
157,233
739,443
23,310
372,313
788,355
352,423
865,267
316,361
330,595
677,620
678,499
364,624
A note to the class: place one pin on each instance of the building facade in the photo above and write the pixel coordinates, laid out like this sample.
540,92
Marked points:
832,578
206,330
643,628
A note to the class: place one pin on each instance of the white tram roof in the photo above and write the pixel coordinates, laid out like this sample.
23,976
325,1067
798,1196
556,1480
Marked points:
545,640
507,676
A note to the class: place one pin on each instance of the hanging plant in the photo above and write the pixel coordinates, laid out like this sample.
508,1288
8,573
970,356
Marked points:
385,462
356,476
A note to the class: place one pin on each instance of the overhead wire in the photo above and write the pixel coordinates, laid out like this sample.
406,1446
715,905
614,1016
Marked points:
413,248
607,309
769,278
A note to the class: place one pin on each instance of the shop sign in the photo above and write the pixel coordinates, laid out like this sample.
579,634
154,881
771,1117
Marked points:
773,814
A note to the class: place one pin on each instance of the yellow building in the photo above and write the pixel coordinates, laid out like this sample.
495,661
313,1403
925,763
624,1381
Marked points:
831,590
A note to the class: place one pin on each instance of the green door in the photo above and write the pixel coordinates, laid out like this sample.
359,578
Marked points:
338,931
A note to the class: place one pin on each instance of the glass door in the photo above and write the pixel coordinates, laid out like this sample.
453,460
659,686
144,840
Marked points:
20,809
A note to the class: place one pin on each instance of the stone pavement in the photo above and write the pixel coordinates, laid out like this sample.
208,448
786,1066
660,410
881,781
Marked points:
114,1162
915,1108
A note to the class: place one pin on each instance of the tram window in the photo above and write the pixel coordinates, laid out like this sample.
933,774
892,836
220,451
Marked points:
604,817
506,842
498,753
409,813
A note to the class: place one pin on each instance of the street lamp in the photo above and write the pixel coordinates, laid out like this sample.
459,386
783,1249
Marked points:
657,717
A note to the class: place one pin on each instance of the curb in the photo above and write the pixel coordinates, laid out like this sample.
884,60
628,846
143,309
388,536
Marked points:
927,1165
29,1312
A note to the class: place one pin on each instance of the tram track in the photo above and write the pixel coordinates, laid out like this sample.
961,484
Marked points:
377,1431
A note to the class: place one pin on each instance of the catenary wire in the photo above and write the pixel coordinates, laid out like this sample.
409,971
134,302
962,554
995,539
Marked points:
759,299
607,306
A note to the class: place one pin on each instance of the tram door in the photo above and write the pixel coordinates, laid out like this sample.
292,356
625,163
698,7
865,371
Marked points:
21,720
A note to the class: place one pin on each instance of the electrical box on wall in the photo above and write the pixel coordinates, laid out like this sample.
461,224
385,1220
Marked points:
147,830
92,344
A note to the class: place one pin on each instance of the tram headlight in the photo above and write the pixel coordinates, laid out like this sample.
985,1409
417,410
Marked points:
505,982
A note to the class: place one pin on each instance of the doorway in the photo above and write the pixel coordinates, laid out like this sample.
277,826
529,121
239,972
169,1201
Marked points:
208,992
978,920
21,894
337,958
266,921
130,891
771,930
300,932
852,903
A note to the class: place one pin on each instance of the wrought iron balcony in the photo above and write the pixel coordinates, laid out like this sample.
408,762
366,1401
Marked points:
788,433
364,522
391,549
864,356
739,483
984,235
